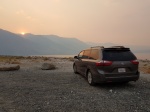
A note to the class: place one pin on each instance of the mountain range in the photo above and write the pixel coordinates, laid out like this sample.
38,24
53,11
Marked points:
30,44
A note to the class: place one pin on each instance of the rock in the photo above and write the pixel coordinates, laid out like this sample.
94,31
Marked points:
9,67
71,91
111,90
47,66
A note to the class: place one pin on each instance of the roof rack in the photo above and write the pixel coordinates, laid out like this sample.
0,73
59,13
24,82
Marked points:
117,47
97,46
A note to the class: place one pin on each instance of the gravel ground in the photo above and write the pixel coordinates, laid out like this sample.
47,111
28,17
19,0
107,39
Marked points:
33,90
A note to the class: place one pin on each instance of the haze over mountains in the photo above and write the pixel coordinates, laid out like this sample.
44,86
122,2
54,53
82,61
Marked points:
30,44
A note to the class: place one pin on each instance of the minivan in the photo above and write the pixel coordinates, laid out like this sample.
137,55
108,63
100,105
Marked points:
111,64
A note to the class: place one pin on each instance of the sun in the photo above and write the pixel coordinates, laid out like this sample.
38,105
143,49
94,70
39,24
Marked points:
22,33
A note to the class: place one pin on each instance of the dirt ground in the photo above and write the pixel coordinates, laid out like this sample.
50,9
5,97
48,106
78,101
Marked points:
145,66
31,89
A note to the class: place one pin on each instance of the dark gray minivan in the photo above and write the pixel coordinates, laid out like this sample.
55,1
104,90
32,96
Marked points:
113,64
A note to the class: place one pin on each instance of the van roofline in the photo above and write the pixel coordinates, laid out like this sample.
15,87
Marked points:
109,48
124,49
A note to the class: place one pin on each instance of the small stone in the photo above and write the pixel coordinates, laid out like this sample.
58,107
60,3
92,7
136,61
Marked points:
111,90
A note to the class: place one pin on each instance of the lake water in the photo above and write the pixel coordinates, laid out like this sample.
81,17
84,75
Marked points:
138,55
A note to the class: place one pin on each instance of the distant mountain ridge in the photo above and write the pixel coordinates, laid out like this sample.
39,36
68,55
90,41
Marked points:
134,48
30,44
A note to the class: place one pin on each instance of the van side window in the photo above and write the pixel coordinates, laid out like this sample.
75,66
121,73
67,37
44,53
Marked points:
81,54
86,54
94,54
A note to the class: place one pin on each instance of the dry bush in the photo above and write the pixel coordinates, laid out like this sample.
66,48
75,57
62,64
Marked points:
64,58
45,58
145,70
29,57
148,71
33,60
4,58
19,57
71,59
35,57
8,60
15,62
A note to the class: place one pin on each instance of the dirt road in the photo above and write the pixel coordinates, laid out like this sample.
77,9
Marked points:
60,90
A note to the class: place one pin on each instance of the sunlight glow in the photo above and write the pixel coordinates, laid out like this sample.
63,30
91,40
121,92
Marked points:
22,33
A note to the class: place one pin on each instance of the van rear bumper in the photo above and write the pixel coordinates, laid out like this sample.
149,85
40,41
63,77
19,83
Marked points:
99,78
121,79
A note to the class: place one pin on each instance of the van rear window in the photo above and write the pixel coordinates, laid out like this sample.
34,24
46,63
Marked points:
118,55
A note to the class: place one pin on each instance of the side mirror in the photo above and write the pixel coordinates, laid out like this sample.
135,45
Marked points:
75,57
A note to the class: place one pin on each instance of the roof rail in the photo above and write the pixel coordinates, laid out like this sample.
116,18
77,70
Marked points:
97,46
117,47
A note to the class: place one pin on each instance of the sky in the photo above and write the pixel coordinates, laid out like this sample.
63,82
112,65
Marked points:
100,21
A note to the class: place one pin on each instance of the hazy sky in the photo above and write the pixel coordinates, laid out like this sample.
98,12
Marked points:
115,21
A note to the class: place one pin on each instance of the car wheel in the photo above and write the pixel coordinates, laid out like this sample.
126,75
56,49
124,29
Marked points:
75,69
90,78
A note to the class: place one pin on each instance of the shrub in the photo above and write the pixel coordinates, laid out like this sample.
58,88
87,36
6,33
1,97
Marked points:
15,62
45,58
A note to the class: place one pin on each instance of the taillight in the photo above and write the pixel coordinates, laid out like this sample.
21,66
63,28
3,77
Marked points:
135,62
104,63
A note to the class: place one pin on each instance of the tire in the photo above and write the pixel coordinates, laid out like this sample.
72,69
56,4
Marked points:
90,78
75,69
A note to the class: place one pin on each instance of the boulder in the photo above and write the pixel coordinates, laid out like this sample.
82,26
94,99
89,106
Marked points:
9,67
47,66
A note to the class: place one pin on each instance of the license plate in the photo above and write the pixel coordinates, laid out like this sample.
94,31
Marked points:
121,70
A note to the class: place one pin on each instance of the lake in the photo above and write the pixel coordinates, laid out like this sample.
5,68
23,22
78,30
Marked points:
138,55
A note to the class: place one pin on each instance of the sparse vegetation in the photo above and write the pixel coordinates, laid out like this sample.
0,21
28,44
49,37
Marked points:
45,58
11,59
29,57
36,61
71,59
15,62
148,71
144,66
